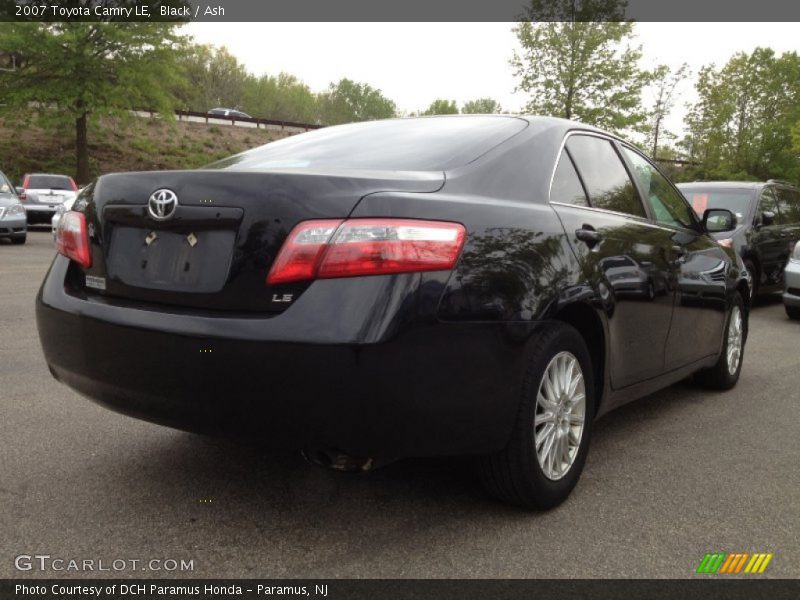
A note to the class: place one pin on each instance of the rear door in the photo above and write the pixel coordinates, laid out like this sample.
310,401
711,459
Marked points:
789,223
699,267
767,241
621,252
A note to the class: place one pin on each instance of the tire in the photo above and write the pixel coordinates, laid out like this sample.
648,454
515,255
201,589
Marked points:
19,240
723,376
516,474
793,312
751,268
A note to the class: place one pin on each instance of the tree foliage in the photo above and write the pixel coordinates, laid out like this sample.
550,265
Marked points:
441,107
664,83
79,71
741,125
481,106
283,97
348,101
212,77
580,63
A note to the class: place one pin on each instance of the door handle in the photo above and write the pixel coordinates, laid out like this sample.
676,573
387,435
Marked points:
680,254
589,235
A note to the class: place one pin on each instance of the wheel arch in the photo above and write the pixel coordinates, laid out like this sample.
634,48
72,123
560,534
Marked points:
592,329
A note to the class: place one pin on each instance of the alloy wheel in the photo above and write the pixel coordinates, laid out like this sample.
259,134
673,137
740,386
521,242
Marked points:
560,415
734,340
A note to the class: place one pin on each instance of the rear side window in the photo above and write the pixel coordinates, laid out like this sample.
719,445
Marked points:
668,206
427,144
50,182
567,187
604,175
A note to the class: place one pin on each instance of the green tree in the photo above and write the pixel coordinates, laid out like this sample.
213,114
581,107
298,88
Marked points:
79,71
283,97
741,125
441,107
348,101
579,63
664,83
211,77
481,106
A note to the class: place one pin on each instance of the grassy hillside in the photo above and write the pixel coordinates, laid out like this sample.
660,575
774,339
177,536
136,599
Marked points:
133,145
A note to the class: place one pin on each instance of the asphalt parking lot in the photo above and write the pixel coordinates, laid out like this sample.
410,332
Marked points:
669,478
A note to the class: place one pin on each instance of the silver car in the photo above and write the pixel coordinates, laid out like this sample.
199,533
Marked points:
791,283
60,210
13,222
43,193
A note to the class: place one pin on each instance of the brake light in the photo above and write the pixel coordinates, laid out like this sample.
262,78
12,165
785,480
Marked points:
23,195
74,185
72,238
328,249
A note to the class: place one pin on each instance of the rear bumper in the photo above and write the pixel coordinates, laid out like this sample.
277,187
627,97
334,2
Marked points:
791,276
427,388
39,214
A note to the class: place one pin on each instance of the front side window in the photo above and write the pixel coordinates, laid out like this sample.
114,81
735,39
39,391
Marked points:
668,207
789,205
606,179
768,203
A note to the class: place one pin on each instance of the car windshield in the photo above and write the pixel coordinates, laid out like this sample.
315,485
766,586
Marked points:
735,200
5,186
49,182
427,144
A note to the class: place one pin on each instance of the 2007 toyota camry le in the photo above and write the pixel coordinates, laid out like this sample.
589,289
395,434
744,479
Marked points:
466,285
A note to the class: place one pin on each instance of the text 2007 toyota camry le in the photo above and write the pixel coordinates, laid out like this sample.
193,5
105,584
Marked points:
482,285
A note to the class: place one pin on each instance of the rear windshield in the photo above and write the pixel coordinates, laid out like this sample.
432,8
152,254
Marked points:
430,144
49,182
737,201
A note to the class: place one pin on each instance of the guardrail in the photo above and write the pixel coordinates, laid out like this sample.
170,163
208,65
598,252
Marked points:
201,117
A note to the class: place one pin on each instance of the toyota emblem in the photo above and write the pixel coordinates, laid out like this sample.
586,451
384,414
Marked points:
162,204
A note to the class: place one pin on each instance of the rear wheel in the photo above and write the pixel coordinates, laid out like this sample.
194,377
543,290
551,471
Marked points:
793,312
547,450
725,374
19,239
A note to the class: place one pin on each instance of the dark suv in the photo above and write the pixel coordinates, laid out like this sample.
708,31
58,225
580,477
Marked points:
768,216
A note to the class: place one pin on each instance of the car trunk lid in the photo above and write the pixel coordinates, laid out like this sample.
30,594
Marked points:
213,249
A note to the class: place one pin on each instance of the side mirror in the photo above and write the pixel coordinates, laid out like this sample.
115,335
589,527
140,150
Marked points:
20,191
767,218
718,220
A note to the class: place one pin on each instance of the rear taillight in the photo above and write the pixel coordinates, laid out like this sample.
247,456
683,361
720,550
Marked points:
72,238
74,185
327,249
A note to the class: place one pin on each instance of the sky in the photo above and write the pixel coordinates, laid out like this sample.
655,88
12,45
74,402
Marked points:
415,63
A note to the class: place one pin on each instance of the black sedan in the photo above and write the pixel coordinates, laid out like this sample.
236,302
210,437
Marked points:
412,287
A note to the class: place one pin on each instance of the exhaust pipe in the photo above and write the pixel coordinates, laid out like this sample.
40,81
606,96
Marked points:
337,460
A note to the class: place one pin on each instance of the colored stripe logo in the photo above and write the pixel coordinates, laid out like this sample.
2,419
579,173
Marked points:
723,563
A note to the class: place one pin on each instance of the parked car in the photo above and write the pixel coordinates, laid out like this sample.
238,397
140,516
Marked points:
13,223
410,287
769,224
60,210
228,112
43,193
791,292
